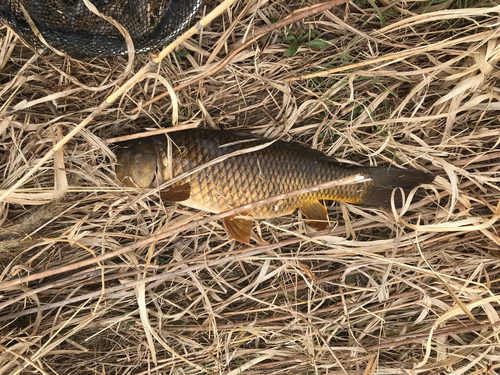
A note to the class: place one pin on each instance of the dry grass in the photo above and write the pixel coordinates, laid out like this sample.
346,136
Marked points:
382,292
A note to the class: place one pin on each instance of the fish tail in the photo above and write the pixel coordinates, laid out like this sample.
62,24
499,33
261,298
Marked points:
384,180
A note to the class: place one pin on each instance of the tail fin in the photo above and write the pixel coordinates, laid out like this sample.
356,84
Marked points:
386,179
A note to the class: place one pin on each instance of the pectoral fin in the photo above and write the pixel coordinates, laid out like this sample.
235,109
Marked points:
316,212
176,193
239,228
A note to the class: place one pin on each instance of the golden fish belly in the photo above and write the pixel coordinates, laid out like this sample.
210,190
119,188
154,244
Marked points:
218,195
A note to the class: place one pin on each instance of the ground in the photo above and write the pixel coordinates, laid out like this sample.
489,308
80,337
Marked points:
101,279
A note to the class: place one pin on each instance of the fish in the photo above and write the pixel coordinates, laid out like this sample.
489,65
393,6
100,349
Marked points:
228,169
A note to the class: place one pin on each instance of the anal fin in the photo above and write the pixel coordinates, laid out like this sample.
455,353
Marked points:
176,193
238,228
316,212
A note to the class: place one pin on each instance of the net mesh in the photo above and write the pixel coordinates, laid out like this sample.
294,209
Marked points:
70,27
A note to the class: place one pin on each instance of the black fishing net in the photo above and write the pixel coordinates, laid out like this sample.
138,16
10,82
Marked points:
69,26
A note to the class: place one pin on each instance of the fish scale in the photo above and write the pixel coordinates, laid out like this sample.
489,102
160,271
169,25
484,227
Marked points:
223,186
279,168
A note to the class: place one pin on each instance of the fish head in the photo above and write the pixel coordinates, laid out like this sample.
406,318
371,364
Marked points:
137,165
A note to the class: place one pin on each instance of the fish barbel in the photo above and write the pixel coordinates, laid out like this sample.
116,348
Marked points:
276,167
